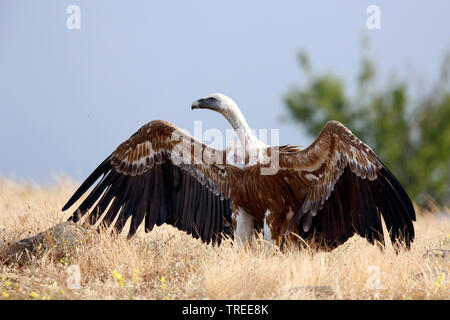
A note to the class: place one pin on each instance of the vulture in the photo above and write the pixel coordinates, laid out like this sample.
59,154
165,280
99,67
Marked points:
319,195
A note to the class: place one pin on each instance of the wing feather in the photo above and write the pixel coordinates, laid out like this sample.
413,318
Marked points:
160,175
340,180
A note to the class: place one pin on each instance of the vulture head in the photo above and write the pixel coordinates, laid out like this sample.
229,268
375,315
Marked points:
225,106
216,102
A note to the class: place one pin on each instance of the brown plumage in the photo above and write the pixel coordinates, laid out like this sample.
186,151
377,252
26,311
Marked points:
325,193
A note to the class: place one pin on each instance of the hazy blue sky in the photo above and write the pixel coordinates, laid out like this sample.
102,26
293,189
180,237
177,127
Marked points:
69,97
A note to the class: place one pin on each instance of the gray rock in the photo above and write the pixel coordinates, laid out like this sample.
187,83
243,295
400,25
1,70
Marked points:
431,274
320,292
438,253
62,239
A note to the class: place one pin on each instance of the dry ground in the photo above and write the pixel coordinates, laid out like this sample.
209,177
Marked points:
167,264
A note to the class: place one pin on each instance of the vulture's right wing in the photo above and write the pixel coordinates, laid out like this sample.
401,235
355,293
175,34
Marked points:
163,175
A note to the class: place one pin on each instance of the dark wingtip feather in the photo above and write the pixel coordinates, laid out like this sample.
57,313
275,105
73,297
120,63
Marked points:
401,193
397,209
164,194
361,203
104,167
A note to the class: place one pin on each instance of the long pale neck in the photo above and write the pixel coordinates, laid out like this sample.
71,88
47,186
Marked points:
242,129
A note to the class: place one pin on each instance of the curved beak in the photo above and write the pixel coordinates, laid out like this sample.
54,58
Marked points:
199,104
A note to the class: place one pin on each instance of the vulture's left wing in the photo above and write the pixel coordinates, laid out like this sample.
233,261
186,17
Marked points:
163,175
343,188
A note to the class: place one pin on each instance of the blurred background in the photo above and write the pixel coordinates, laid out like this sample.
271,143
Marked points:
68,97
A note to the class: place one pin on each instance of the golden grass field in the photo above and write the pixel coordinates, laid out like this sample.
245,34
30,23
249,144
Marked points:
168,264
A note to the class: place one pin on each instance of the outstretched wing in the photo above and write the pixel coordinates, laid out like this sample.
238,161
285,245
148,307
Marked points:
344,188
163,175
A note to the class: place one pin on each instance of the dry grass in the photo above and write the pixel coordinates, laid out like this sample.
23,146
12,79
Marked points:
167,264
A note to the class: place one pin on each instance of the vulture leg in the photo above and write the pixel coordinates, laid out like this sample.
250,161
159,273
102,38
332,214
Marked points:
267,229
244,226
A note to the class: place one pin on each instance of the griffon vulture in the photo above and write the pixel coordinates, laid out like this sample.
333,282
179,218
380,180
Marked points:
323,194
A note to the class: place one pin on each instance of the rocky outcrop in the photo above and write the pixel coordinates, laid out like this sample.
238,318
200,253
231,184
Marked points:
62,239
